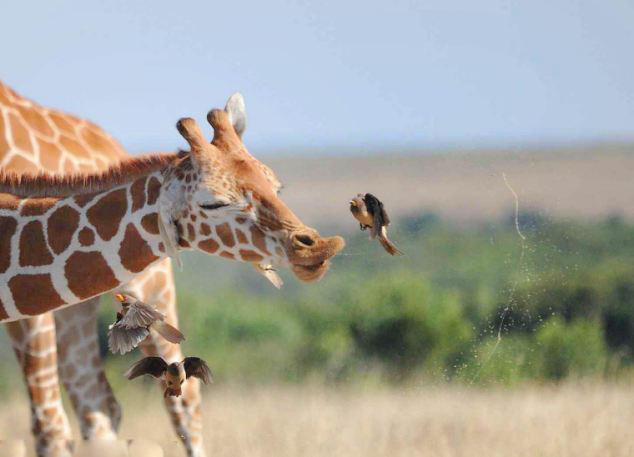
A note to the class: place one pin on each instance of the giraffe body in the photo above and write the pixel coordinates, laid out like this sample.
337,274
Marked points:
65,240
36,139
215,198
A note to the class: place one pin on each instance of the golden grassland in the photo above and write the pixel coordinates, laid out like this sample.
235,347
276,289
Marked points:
573,419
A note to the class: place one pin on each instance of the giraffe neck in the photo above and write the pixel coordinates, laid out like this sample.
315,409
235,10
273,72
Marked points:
56,252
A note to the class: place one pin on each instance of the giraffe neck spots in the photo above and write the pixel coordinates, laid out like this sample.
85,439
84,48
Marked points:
149,222
86,236
8,227
33,249
62,225
137,190
88,274
107,213
34,293
135,253
60,251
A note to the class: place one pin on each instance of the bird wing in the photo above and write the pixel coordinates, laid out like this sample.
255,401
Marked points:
197,367
379,216
154,366
140,315
123,340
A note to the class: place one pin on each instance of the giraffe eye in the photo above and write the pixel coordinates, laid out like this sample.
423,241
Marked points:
212,206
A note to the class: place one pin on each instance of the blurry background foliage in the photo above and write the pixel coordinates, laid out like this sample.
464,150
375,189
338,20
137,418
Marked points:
470,304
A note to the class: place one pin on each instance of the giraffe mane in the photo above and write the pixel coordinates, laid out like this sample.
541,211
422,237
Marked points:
49,185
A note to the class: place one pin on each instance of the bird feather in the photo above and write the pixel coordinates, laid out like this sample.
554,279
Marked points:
169,332
154,366
197,367
140,314
123,340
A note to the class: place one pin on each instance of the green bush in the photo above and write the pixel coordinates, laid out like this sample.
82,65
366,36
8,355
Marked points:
533,302
615,283
245,338
563,300
398,321
506,361
555,351
575,349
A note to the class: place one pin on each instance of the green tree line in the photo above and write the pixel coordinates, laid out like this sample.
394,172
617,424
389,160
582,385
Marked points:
477,304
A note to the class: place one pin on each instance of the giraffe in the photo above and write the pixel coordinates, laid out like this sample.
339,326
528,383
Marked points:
37,139
92,233
64,240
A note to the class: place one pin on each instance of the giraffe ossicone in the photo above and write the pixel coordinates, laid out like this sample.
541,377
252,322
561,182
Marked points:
65,240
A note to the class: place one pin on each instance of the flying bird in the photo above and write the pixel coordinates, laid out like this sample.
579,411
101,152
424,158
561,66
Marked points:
370,213
133,325
173,374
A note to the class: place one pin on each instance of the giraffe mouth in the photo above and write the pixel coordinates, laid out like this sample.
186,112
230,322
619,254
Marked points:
309,255
311,273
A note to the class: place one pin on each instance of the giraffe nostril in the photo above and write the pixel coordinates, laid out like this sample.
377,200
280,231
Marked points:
304,240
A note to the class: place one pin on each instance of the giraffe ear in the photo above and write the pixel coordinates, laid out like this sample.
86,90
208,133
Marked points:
237,113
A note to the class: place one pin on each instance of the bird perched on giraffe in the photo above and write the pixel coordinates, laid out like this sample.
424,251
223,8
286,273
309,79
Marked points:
173,374
371,214
133,324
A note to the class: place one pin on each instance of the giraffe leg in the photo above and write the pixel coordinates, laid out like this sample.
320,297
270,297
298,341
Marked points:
34,345
157,288
82,371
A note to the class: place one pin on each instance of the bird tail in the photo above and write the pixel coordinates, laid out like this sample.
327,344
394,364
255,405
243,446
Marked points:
389,246
169,332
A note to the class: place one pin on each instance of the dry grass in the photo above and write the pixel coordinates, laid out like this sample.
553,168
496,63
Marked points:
570,420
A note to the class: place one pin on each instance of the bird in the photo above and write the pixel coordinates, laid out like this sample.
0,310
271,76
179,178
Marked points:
133,325
173,374
370,213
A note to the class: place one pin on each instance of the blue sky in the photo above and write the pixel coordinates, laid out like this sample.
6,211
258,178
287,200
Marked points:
334,75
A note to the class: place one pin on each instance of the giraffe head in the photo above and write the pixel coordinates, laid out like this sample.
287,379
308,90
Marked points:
223,201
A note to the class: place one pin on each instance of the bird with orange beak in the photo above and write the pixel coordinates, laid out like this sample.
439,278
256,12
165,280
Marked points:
133,324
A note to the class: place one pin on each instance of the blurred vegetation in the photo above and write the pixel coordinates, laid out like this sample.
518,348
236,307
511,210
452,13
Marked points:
474,304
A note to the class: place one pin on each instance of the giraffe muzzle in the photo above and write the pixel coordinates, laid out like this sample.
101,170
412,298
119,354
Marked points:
309,254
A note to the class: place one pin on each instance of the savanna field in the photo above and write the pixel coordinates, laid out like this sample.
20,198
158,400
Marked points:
493,335
570,419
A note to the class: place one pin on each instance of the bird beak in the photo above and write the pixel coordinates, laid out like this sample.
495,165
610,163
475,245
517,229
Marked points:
119,297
